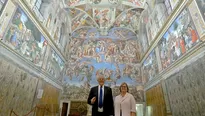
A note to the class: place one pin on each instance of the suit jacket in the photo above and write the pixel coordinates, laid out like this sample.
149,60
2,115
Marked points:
108,107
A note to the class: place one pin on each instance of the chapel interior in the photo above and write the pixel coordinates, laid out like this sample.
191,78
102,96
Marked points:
52,51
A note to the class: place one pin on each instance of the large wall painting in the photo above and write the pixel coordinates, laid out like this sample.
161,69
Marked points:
25,38
179,38
116,60
150,67
55,65
197,18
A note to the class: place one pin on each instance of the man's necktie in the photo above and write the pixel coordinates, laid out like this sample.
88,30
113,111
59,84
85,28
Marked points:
101,98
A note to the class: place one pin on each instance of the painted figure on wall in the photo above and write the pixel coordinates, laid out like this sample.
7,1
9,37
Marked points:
102,17
178,39
73,2
25,38
143,39
57,36
102,56
150,67
80,20
128,19
136,2
55,65
72,12
157,17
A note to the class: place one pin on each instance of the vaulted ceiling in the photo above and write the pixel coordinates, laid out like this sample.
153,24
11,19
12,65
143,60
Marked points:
116,19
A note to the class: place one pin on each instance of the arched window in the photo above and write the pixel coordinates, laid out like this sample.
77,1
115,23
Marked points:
38,4
49,20
62,32
2,5
40,8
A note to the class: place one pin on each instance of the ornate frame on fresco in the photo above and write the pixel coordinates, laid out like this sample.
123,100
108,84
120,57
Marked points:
19,41
192,53
197,19
12,52
41,28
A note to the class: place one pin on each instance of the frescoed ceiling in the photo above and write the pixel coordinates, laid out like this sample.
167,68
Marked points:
104,40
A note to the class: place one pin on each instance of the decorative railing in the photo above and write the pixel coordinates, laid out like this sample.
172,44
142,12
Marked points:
34,110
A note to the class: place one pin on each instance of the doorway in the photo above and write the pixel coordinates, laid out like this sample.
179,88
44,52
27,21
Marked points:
64,109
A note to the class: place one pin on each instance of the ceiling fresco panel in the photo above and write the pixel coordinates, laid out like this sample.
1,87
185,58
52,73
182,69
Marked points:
114,33
79,20
128,19
72,12
102,16
135,3
122,34
104,2
86,33
74,2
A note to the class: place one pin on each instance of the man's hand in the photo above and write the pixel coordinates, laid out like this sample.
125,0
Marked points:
93,100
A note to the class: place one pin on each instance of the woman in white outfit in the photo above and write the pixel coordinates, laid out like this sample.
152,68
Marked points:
125,104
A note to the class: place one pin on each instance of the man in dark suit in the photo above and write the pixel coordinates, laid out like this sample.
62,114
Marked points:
101,99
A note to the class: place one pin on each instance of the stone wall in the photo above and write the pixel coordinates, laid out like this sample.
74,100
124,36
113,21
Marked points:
17,89
186,90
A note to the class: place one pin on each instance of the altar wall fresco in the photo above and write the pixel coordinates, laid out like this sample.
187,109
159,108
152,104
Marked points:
117,60
17,89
